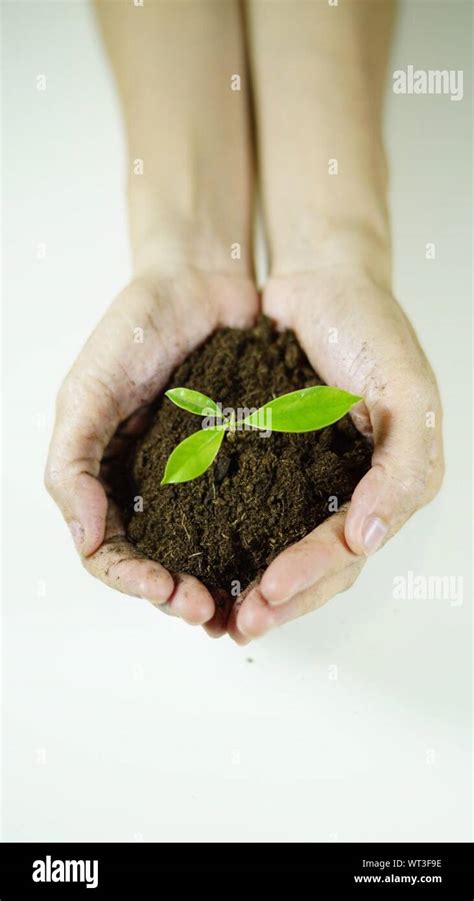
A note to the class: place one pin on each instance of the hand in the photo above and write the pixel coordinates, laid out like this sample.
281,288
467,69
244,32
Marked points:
102,405
357,338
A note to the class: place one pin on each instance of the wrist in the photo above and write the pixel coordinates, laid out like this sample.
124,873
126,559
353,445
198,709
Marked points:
340,244
190,208
333,216
184,230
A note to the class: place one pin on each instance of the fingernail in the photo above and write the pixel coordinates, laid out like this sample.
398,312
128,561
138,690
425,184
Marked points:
275,599
145,591
273,595
244,623
179,606
250,626
373,534
77,533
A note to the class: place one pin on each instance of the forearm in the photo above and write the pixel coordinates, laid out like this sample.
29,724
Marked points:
173,63
319,75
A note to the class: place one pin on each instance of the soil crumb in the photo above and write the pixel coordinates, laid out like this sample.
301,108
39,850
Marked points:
262,493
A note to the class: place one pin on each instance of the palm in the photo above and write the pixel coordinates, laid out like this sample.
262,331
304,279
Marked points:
353,331
148,330
357,337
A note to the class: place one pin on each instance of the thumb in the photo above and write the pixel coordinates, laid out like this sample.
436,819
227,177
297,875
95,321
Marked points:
86,418
406,473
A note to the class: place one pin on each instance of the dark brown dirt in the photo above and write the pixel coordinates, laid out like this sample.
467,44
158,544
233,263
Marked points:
261,494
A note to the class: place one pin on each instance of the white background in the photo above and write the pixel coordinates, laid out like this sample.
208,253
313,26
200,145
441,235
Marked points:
124,724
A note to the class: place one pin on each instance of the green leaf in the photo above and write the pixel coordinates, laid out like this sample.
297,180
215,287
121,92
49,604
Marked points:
303,411
193,456
193,401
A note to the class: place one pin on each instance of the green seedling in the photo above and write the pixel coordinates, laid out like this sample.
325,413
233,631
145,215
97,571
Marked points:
300,411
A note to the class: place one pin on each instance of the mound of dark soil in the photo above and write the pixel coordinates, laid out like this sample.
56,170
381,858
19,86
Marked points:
261,494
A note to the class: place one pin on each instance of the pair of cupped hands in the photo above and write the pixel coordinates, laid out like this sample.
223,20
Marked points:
356,337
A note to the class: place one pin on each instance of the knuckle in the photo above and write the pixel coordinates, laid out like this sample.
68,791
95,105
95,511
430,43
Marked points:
349,576
313,598
50,479
409,480
423,387
417,386
107,561
352,574
60,475
47,479
66,391
415,481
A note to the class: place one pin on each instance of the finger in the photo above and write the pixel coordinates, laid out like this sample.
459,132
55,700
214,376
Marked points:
127,432
255,617
86,418
191,601
216,627
232,628
321,553
234,632
121,566
407,470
